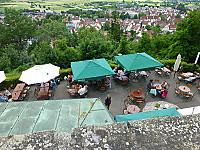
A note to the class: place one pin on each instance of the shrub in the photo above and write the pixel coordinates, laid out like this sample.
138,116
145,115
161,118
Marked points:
10,80
188,67
64,72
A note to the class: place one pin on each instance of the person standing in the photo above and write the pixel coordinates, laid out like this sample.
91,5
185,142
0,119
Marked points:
108,101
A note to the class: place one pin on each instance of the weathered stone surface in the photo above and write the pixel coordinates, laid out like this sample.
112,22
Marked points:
112,136
178,132
40,140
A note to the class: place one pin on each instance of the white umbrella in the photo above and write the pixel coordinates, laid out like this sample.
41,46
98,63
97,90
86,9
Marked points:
177,63
2,76
39,73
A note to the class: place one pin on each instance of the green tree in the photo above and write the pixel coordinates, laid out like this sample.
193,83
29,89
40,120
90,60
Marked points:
16,30
178,16
115,30
186,38
135,16
123,49
106,26
64,54
141,14
148,27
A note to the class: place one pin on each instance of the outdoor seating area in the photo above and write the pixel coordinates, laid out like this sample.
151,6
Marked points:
189,77
20,92
44,91
163,72
184,91
135,86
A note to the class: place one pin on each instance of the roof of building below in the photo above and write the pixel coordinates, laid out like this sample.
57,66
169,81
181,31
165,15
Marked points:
61,115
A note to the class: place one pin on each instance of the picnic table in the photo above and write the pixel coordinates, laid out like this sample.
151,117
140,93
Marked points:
184,89
133,109
43,93
164,69
17,91
158,86
137,94
187,75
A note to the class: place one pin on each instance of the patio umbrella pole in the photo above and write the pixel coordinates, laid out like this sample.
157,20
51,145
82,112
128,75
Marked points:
196,62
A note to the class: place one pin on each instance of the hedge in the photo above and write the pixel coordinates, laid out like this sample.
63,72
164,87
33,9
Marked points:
187,67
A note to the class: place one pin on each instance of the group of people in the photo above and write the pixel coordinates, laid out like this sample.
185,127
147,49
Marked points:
121,75
161,92
82,90
6,97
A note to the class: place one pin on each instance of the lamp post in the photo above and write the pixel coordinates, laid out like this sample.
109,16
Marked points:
195,63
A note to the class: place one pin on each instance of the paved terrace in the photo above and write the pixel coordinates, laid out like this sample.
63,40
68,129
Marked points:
119,93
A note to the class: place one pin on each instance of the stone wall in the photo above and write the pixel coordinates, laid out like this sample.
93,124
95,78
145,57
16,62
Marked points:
179,132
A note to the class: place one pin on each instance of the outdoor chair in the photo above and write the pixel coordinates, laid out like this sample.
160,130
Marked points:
50,95
157,81
36,93
132,98
177,84
198,86
9,89
180,78
168,85
167,74
27,88
128,90
159,73
156,71
177,92
140,88
25,92
23,97
141,105
189,85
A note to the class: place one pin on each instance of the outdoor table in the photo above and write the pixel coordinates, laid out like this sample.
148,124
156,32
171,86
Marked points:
17,91
150,106
19,87
184,89
164,69
43,93
15,95
187,75
137,94
158,86
133,109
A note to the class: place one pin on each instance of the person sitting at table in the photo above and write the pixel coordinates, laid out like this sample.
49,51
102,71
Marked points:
81,92
115,69
164,84
70,91
108,83
165,92
123,78
150,85
86,89
3,98
7,93
70,77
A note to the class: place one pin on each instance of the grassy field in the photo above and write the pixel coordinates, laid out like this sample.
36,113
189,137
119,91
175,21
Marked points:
62,5
57,5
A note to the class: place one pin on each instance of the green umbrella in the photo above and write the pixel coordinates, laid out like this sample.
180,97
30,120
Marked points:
137,62
91,70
